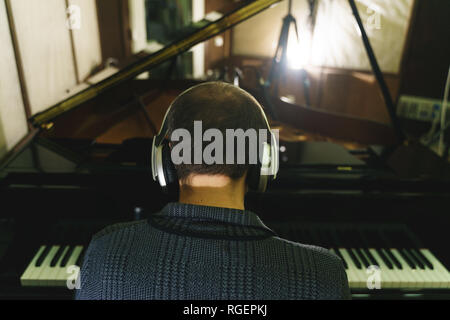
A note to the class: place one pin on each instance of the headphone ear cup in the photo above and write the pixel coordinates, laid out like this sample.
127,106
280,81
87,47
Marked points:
259,175
170,173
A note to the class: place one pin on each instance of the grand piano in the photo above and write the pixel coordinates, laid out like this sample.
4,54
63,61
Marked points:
380,205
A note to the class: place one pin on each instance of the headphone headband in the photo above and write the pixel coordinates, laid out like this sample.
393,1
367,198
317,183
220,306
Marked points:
163,130
266,171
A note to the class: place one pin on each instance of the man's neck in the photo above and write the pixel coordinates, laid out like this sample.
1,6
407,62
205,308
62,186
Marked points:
213,191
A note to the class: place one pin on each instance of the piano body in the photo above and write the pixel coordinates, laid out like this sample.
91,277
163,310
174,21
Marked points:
381,206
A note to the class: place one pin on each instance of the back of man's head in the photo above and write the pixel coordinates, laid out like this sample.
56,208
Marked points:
219,106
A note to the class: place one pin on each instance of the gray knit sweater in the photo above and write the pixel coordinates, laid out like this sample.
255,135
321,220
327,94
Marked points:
199,252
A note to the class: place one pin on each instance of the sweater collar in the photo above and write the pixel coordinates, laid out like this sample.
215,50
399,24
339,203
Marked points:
214,215
227,215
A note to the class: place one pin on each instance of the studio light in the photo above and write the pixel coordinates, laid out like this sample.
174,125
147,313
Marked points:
299,49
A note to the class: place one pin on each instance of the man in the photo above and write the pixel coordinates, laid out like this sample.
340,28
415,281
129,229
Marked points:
207,246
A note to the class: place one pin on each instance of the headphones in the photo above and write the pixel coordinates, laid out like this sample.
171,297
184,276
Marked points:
259,175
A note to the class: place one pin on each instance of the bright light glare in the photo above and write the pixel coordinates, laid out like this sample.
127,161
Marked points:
299,51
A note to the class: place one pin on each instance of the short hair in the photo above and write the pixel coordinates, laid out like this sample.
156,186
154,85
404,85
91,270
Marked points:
218,105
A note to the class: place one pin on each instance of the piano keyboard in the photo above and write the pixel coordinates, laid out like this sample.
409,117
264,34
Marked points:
50,266
405,265
398,275
402,262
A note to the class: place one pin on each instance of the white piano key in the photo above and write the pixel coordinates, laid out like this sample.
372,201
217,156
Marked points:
61,278
52,281
361,273
363,266
432,280
388,278
422,275
440,271
414,279
44,277
356,278
406,279
28,277
351,277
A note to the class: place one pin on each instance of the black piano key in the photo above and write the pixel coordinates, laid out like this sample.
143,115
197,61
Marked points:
375,241
80,258
395,240
417,260
43,256
408,244
407,258
362,257
354,258
352,241
67,256
57,256
414,251
405,255
365,249
424,259
397,263
366,256
385,259
389,244
370,256
336,250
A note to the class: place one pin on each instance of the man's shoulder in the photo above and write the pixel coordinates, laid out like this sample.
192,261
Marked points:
328,269
118,228
324,258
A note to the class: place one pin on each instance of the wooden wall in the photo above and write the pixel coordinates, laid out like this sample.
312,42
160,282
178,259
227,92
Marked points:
12,113
42,59
44,43
86,41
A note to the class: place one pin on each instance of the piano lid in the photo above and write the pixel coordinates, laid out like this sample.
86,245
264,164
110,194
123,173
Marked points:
166,53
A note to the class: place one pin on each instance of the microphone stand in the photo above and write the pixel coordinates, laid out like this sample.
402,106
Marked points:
279,63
